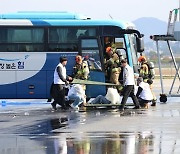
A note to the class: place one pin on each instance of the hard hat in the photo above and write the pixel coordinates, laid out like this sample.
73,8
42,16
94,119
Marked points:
108,49
142,58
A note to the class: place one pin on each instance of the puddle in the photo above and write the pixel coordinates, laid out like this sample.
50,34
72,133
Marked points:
93,143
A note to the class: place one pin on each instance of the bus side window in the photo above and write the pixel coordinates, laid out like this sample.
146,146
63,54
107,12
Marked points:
22,48
121,53
25,48
72,35
53,36
93,60
30,48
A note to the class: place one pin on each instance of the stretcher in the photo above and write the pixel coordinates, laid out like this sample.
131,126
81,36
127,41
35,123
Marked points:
89,82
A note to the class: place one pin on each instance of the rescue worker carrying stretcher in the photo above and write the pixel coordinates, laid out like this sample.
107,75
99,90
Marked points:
113,69
111,64
81,70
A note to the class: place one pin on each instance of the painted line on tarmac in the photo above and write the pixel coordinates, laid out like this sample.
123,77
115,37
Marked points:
5,103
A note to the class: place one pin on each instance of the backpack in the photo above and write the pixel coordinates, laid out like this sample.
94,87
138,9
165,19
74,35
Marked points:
151,70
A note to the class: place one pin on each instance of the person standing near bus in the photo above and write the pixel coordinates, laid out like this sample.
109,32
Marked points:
60,80
81,69
128,83
144,71
112,65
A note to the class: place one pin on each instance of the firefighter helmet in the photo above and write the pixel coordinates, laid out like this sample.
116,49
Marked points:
108,49
142,58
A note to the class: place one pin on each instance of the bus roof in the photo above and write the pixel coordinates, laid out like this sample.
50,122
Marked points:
44,15
57,19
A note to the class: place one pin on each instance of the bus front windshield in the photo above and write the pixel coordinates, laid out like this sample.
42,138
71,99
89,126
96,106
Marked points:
133,46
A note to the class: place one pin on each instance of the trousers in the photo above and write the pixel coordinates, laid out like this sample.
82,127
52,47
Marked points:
58,93
100,100
128,91
77,99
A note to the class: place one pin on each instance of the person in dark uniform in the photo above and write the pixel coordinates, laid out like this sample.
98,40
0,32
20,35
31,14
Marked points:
60,80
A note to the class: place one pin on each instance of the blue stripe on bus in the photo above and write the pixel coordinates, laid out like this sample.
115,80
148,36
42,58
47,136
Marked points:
40,23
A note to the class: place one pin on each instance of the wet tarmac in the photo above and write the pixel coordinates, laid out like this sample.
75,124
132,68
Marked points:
33,128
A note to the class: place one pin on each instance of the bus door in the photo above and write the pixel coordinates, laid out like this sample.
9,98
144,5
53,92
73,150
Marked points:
90,48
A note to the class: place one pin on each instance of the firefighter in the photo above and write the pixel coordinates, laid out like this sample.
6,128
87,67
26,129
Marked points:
113,71
110,64
144,70
114,78
81,70
109,53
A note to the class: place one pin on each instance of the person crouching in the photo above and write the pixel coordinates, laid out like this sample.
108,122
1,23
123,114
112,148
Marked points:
76,93
144,93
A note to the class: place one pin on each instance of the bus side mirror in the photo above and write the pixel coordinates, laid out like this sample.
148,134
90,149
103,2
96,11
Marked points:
140,44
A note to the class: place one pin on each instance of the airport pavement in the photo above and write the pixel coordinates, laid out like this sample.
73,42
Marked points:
30,126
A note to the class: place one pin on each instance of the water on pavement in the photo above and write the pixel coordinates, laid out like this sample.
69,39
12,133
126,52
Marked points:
35,128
